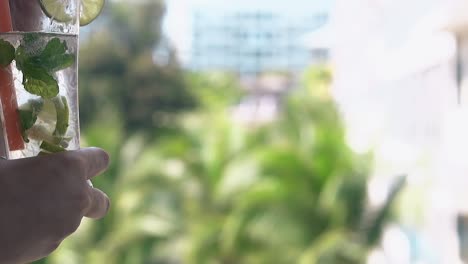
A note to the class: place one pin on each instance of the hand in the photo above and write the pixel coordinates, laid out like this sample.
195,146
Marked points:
43,200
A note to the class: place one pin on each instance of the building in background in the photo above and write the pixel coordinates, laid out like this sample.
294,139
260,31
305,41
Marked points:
259,41
319,43
250,40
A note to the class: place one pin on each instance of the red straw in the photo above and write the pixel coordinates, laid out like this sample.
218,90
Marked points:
7,89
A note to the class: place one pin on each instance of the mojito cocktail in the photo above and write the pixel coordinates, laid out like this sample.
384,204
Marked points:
43,70
39,74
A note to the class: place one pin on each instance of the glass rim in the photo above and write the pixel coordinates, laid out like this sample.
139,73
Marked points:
35,16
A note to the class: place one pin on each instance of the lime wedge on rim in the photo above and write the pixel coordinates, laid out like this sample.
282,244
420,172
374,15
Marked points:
90,10
58,10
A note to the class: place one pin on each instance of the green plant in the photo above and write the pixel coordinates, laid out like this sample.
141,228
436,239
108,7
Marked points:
215,191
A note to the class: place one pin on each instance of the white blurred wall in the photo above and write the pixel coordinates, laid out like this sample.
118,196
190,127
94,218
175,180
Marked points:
395,81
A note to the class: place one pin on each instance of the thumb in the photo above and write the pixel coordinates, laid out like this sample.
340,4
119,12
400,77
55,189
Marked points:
99,204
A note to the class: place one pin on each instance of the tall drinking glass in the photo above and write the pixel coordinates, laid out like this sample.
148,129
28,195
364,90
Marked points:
38,77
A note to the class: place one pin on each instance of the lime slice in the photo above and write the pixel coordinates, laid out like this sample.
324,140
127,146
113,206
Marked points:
90,10
63,113
58,10
51,148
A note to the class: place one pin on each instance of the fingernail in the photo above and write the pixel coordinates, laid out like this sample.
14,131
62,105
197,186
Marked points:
108,205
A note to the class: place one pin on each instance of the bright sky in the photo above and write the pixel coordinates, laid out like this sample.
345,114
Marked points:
177,20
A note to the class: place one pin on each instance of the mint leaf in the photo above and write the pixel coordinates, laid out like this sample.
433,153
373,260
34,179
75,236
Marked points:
21,57
38,69
27,121
55,47
38,81
33,43
31,38
28,115
7,53
54,57
29,112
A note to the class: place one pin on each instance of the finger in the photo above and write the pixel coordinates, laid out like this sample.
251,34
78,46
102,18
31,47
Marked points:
99,204
95,160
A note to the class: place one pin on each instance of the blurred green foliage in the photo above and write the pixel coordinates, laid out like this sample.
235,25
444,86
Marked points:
120,72
210,190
